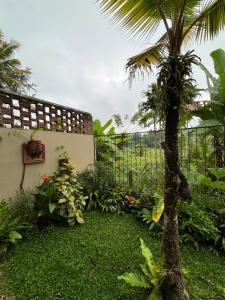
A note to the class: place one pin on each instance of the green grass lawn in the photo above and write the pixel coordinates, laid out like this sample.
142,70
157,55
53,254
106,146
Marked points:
83,262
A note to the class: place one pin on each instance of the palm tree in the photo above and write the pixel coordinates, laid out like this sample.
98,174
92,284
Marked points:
184,21
149,112
12,76
152,112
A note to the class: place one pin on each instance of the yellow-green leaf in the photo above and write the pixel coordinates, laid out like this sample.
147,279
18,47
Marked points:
158,208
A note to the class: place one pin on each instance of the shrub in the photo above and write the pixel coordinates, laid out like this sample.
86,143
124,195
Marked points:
24,206
100,184
145,185
214,207
60,197
114,202
10,227
196,225
98,178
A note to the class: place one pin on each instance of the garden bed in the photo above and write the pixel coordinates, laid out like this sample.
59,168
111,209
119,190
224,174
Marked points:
82,262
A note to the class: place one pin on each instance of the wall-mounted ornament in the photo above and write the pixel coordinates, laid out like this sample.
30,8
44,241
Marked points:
33,152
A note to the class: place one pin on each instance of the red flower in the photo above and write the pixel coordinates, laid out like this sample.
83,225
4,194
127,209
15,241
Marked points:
45,178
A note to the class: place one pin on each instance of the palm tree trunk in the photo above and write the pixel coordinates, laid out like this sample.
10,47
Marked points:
173,287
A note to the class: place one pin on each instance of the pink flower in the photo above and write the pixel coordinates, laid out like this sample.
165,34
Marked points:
130,199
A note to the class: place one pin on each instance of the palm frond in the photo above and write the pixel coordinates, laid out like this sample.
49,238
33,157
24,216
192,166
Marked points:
191,6
8,49
138,17
144,61
12,75
208,22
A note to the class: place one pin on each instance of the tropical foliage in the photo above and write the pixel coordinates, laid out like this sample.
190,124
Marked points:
150,111
151,275
213,113
11,226
60,197
105,146
12,76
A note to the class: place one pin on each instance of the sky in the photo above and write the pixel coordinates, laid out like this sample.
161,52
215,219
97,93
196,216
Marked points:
77,56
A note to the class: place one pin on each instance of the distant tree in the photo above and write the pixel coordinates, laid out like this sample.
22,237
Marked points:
151,112
12,76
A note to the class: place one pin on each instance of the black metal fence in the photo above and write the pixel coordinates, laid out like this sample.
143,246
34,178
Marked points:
137,156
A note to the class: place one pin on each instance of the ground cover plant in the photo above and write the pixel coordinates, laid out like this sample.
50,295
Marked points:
83,262
16,219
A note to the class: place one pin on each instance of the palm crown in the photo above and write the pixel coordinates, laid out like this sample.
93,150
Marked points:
184,21
12,76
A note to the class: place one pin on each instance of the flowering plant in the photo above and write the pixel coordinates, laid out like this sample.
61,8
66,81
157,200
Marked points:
60,197
45,178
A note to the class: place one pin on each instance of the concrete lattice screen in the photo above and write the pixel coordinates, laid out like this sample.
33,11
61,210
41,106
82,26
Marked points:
19,111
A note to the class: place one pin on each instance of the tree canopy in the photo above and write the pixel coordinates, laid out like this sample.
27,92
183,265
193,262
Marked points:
183,20
12,75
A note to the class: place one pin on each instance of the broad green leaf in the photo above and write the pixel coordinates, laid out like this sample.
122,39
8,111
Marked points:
51,207
97,128
41,213
107,124
219,172
135,279
14,235
111,130
198,179
158,208
155,294
204,180
219,65
149,259
42,193
222,86
219,61
51,191
145,270
220,185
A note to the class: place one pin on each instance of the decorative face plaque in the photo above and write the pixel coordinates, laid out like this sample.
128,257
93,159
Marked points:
29,158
